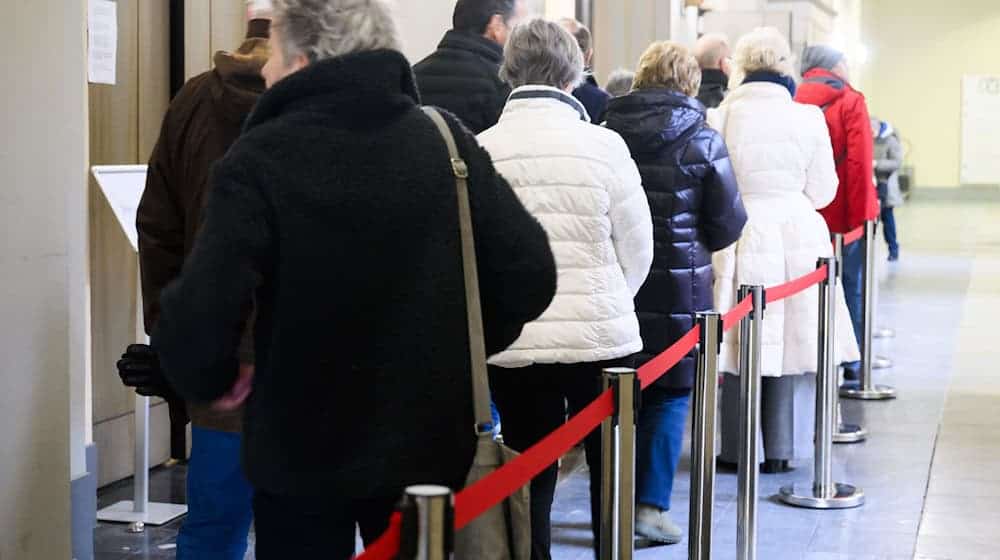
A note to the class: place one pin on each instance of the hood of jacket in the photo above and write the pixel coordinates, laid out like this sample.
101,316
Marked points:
238,82
477,44
821,88
651,119
359,88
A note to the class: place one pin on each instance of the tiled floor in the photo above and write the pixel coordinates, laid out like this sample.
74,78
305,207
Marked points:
939,440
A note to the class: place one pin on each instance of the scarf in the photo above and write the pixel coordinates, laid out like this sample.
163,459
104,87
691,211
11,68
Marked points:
773,78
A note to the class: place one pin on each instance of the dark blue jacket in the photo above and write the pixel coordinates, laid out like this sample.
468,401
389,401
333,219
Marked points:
696,208
594,99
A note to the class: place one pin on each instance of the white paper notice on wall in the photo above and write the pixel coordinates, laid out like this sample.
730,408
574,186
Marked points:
980,123
102,41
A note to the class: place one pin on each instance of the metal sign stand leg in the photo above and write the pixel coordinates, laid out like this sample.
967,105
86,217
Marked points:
866,389
825,493
139,511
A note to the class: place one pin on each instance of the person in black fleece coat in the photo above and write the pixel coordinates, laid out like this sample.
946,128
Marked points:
697,210
463,74
337,208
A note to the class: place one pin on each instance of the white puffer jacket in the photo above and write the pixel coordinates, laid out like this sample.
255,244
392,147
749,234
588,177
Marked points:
784,165
580,182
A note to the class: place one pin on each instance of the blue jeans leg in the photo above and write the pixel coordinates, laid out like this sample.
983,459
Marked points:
220,500
854,263
659,437
889,229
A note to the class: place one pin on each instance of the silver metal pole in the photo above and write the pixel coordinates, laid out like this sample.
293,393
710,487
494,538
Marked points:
609,481
884,332
748,470
866,389
428,523
844,433
878,362
825,493
703,437
618,439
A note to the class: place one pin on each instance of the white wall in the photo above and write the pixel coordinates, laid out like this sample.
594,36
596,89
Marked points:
422,25
43,160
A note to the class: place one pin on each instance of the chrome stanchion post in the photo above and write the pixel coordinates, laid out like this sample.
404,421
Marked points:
427,532
748,469
878,362
703,437
866,389
843,433
825,494
618,459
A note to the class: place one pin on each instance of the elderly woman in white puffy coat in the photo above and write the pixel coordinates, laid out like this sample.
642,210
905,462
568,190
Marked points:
784,165
580,182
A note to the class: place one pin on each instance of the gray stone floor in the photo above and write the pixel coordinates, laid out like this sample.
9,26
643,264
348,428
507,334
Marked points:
930,469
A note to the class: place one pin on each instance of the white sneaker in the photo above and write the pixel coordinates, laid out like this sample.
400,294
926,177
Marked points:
656,525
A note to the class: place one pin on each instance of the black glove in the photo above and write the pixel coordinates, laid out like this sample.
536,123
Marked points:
139,367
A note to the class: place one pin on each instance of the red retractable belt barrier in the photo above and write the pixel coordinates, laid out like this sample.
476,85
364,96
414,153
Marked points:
854,235
490,491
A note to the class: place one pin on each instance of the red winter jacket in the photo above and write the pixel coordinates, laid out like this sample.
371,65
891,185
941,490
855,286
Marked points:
851,133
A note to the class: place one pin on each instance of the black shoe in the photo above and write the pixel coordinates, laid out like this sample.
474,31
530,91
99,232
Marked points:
775,466
851,374
725,466
893,257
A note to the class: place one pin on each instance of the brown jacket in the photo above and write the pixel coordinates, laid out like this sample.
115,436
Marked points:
203,121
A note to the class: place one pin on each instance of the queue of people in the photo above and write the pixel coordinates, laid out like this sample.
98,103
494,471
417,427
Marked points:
312,285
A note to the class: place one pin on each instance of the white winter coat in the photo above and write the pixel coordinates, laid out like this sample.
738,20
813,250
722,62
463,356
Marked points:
784,165
580,182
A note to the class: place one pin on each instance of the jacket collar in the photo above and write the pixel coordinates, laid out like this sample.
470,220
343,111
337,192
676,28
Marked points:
238,82
715,78
547,98
357,88
477,44
758,90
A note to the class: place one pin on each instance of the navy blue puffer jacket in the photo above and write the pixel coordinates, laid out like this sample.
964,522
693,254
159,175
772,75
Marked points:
696,210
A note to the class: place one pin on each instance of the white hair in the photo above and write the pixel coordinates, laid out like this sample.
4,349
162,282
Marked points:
620,82
764,49
710,49
321,29
542,53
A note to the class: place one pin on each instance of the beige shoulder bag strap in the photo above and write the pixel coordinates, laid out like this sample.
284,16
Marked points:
477,346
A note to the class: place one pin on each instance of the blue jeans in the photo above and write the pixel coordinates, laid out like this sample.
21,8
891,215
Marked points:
659,437
889,229
854,264
220,500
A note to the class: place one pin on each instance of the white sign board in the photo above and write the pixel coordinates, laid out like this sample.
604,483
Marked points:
122,186
102,41
980,123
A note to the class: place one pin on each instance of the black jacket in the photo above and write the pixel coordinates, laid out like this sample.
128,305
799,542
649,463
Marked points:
463,76
696,208
594,99
714,87
340,195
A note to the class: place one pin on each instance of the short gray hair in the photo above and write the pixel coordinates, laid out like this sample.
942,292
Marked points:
321,29
620,82
542,53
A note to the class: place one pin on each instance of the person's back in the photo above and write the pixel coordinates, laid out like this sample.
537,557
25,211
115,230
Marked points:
849,129
463,74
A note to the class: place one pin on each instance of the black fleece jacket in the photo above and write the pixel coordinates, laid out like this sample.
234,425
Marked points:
340,196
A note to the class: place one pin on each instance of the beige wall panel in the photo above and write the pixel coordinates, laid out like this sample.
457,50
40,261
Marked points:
228,25
197,37
154,72
115,438
422,24
623,29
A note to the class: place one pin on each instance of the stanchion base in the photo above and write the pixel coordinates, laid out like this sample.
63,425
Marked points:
884,333
846,497
156,513
881,362
850,433
854,390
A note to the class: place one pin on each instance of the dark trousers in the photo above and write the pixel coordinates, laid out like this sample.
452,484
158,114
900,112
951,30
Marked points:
533,402
777,417
854,264
659,439
316,527
889,229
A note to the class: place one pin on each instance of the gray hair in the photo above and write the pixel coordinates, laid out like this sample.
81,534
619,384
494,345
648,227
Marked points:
542,53
321,29
620,82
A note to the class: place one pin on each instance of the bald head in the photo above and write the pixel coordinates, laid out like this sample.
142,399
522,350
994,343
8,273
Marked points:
583,37
712,52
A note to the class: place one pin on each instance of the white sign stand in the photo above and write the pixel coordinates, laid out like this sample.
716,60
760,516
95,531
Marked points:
122,186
